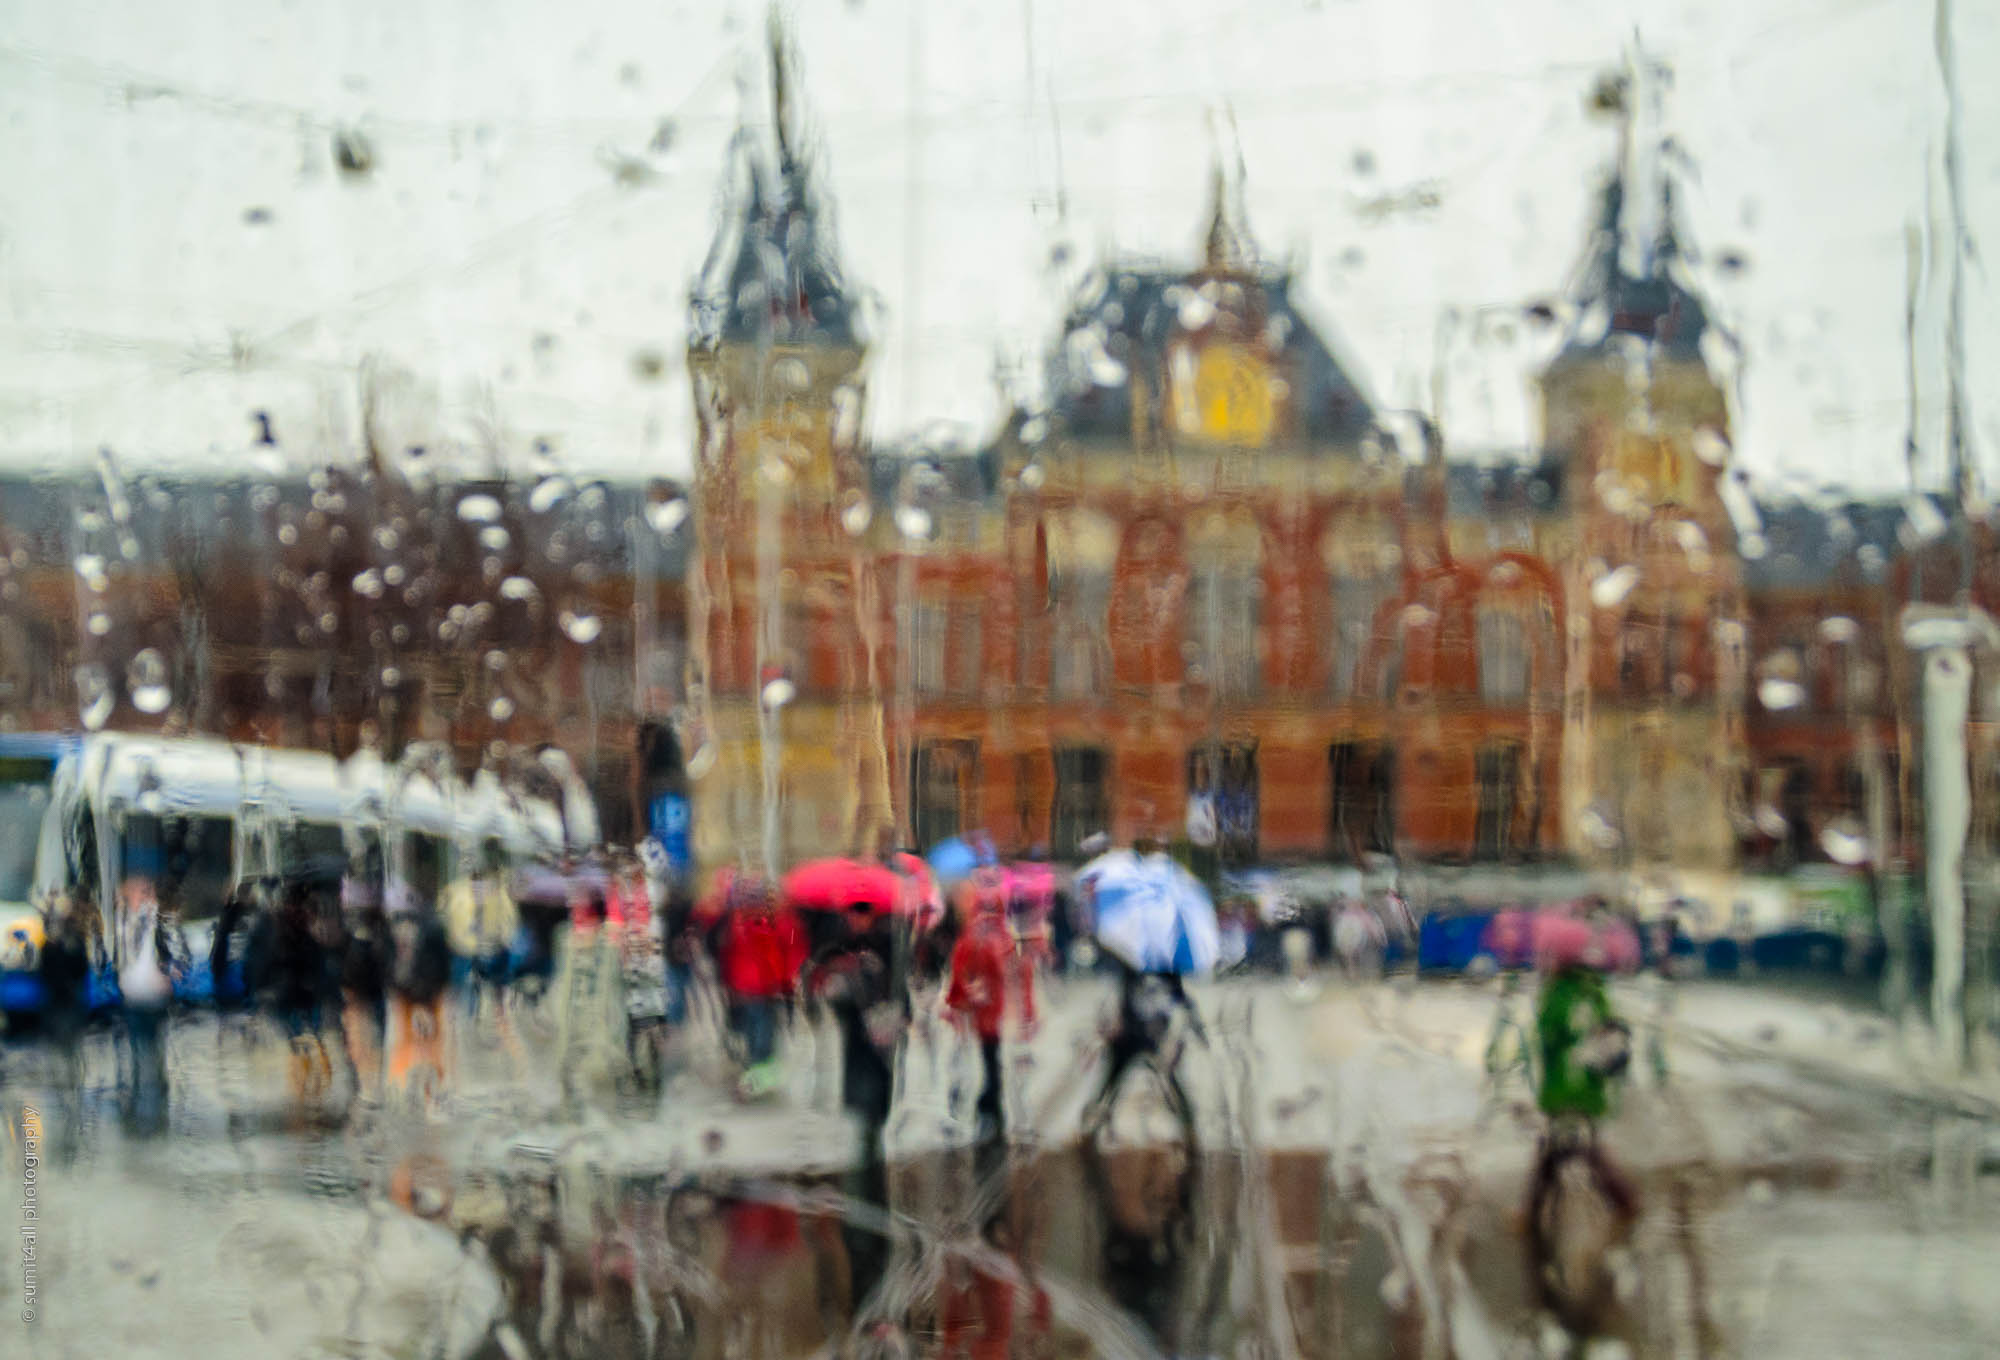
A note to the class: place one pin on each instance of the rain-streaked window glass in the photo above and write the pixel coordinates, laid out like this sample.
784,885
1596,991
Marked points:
917,678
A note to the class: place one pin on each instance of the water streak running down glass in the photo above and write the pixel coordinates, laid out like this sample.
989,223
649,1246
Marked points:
906,679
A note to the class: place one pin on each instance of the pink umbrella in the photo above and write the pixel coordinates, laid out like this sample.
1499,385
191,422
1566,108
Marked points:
838,884
1559,940
1030,886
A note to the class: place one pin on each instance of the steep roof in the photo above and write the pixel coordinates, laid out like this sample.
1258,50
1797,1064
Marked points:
1127,315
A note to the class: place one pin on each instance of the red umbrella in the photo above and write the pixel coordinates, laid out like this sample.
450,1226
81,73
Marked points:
838,884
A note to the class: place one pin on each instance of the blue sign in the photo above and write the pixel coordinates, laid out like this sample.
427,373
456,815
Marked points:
669,821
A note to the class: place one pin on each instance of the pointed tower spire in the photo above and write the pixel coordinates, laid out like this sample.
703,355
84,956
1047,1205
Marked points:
1228,248
781,95
1632,278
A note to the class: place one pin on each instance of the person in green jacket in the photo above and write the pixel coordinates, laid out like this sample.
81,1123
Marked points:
1580,1043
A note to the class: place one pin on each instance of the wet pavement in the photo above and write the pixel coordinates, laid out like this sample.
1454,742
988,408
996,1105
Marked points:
1354,1186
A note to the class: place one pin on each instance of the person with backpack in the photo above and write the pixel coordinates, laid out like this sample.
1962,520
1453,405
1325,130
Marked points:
761,952
984,959
419,978
364,984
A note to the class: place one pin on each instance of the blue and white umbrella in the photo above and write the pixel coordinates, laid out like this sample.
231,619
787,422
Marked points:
1151,913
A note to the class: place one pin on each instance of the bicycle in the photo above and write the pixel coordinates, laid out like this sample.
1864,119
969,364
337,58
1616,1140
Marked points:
1581,1209
1155,1021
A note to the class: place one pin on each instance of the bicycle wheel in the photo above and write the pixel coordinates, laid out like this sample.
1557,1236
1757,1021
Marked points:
1576,1218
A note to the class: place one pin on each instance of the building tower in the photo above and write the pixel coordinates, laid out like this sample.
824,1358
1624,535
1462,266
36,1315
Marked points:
1653,745
782,683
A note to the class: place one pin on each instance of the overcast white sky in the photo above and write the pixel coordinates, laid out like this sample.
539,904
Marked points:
492,255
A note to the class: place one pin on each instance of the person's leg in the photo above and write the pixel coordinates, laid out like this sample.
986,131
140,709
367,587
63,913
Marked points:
149,1065
763,1035
991,1105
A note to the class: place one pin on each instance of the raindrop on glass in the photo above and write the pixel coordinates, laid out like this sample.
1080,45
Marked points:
1844,841
548,494
1778,693
479,508
1610,589
581,629
93,695
667,516
146,681
369,583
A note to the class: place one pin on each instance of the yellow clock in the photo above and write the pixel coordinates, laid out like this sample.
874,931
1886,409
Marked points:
1224,393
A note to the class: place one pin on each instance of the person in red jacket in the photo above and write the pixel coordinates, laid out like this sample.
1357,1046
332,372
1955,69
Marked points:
761,951
981,962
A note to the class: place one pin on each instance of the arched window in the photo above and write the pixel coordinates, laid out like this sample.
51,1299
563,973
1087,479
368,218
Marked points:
1223,613
1505,661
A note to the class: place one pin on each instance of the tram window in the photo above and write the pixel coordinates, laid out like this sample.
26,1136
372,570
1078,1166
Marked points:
425,865
194,862
314,841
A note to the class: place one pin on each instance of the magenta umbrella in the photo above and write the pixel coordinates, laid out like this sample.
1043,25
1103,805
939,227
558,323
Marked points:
1559,940
838,884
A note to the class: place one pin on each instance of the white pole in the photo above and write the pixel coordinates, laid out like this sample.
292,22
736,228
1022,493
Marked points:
1947,819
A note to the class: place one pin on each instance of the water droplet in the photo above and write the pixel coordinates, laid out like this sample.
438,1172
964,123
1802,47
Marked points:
146,681
496,660
1711,447
779,692
501,709
328,622
288,534
581,629
548,494
369,583
1778,693
519,588
391,677
1599,830
913,521
1844,841
387,539
90,566
1839,628
1032,476
494,538
1610,589
1195,310
93,695
393,574
667,516
856,516
99,624
479,508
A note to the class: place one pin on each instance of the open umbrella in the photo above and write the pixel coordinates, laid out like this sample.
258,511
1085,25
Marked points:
1151,913
1560,940
838,884
955,858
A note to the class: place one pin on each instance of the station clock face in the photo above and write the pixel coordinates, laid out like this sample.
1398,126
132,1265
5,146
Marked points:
1224,393
1652,469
